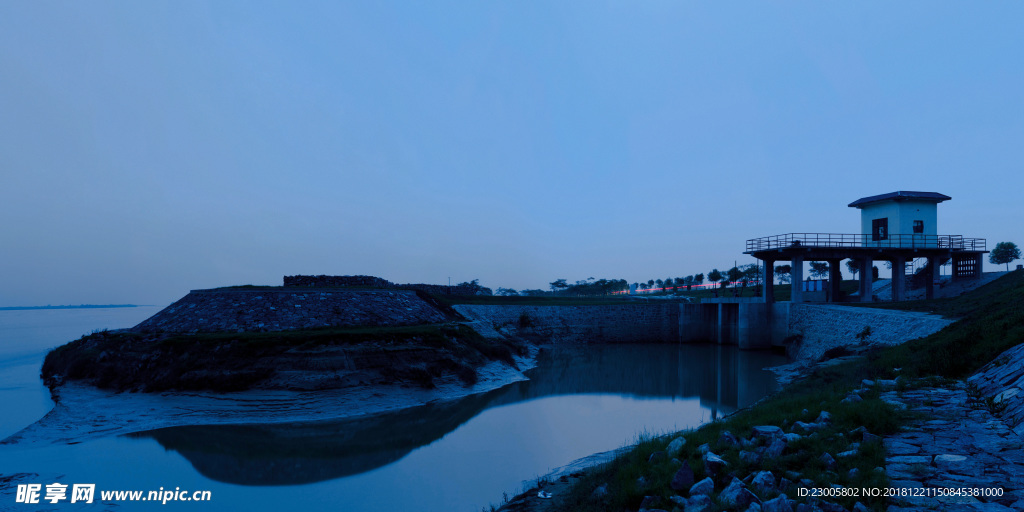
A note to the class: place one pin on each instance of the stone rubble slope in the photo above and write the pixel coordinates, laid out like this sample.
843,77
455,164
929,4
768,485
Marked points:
954,446
1002,380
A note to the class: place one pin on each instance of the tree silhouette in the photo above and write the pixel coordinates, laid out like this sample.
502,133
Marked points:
1004,252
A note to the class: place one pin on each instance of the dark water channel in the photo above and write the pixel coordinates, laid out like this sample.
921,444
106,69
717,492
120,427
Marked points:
453,456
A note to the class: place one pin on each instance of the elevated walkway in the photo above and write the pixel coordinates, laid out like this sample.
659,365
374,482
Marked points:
965,254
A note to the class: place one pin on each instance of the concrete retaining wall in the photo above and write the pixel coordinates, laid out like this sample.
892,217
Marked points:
626,323
279,310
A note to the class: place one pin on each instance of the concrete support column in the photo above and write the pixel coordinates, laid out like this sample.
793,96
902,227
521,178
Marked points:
797,279
769,281
929,271
899,278
835,277
723,323
866,277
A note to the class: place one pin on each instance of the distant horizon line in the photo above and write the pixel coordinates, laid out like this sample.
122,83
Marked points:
80,306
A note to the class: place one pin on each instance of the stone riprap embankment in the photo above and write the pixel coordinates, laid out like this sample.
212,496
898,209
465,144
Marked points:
1001,381
279,310
626,323
957,444
823,327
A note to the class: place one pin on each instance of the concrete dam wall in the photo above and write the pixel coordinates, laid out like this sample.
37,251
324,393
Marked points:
617,323
750,325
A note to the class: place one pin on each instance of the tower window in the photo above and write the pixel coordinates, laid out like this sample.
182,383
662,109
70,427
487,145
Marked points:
918,226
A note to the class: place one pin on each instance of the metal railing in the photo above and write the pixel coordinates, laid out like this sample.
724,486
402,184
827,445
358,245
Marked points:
840,240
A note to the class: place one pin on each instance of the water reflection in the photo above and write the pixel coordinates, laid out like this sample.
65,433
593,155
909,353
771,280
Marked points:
723,378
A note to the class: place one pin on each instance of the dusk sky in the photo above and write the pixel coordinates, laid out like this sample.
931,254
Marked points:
149,148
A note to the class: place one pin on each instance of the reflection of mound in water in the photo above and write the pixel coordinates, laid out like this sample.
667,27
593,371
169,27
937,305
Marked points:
298,453
284,454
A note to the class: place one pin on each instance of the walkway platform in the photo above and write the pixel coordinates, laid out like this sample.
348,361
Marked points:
965,254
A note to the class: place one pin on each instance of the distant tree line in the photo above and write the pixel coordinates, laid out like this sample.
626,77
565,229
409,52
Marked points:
1003,253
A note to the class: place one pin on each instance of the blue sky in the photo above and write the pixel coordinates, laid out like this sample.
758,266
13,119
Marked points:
147,148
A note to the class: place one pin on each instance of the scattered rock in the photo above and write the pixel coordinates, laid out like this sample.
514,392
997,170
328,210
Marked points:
650,502
736,495
749,457
851,398
828,461
867,383
779,504
785,484
728,439
706,486
676,446
713,464
870,438
699,503
860,507
806,427
763,481
600,492
789,438
704,448
824,417
767,431
656,457
775,449
828,506
683,478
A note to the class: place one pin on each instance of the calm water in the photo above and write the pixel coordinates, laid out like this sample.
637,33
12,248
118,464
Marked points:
457,456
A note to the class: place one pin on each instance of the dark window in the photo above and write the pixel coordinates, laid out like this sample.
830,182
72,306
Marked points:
918,226
880,229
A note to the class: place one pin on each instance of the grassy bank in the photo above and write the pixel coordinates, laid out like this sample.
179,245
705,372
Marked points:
991,321
237,361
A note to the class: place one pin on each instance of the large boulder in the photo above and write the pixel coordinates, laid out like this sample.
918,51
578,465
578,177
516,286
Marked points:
683,478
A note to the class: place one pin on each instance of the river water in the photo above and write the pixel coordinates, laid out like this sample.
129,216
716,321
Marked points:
454,456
